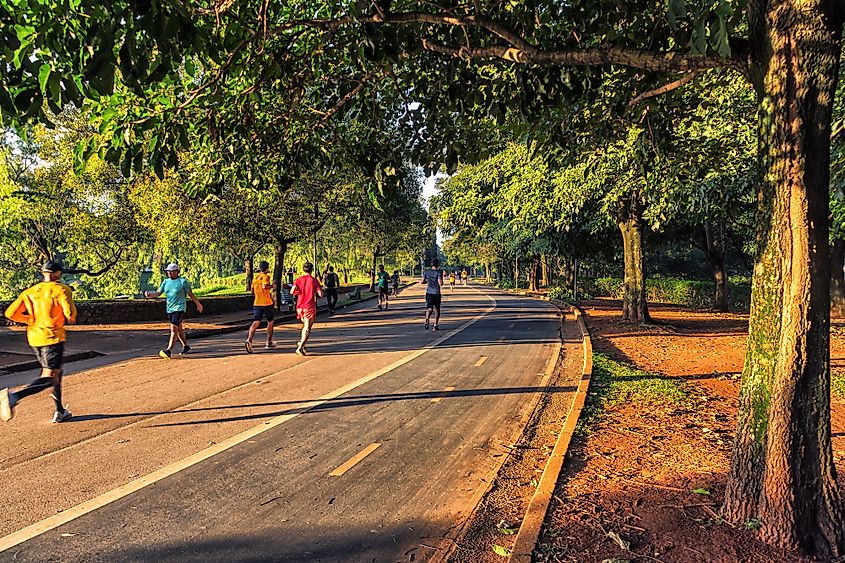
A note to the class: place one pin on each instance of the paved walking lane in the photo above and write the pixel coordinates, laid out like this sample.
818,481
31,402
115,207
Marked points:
396,444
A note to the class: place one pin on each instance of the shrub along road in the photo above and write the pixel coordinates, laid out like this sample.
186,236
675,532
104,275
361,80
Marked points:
218,455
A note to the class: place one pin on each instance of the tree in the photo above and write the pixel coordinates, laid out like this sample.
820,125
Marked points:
790,54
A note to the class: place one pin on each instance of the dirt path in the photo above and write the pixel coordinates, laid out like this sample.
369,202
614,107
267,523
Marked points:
633,473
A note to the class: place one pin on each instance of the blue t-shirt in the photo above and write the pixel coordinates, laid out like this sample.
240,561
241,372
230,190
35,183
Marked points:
176,292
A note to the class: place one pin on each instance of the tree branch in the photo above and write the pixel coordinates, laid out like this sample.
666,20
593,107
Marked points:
101,271
663,89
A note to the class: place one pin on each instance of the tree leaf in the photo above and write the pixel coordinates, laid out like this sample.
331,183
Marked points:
701,491
503,551
43,77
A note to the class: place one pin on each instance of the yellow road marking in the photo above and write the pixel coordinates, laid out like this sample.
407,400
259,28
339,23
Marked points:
351,462
52,522
445,392
480,361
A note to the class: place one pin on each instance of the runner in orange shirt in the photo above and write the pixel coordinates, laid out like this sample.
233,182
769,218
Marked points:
262,306
44,308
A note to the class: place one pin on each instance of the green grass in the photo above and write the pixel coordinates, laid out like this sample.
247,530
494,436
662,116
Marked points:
616,383
214,290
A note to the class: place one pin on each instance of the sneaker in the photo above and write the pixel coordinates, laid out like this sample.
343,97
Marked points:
269,345
61,416
164,354
436,327
379,306
185,350
6,412
248,346
300,351
427,325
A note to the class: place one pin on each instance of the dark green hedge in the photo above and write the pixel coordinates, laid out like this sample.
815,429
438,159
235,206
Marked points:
691,293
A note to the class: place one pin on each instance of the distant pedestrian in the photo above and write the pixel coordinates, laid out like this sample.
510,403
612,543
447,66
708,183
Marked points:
331,283
262,306
395,279
382,283
45,309
452,277
306,289
433,280
177,291
464,276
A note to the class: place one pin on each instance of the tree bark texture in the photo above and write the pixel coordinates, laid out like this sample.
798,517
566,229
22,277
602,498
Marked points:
714,246
837,281
534,274
782,471
279,270
634,300
249,273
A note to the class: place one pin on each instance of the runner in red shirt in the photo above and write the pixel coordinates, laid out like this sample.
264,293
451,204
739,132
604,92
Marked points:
306,289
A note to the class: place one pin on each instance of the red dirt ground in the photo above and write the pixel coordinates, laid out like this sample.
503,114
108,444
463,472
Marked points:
633,473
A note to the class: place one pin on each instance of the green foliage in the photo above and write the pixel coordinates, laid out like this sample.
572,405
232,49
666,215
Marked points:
689,293
561,293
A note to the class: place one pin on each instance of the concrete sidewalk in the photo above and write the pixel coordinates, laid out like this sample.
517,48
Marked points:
91,341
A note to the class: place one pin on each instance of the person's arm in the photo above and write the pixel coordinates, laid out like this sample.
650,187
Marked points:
193,297
155,294
440,281
68,307
17,312
319,288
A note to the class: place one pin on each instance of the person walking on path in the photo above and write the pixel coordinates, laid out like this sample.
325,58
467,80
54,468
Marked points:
45,309
176,291
262,306
464,276
331,282
395,279
433,280
383,283
452,281
306,289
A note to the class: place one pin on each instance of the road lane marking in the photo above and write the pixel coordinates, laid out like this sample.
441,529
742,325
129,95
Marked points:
42,526
444,393
354,460
481,361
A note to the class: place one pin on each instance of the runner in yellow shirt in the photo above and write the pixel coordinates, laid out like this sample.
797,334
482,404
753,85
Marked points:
44,308
262,306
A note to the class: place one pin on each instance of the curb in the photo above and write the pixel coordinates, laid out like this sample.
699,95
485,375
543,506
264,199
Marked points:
535,516
191,333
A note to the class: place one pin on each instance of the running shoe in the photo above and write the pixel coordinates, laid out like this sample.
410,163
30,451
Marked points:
300,351
164,354
269,345
61,416
6,412
379,306
248,346
185,350
436,327
427,325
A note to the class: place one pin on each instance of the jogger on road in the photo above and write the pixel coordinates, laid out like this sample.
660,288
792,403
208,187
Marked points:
382,283
331,282
262,306
433,280
176,290
306,289
44,308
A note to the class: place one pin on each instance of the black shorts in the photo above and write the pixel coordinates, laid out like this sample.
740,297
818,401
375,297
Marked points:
176,317
382,291
50,356
263,311
432,300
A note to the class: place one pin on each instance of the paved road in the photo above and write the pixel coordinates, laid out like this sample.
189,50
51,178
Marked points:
373,449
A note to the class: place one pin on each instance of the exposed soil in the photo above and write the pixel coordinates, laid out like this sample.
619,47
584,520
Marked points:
633,473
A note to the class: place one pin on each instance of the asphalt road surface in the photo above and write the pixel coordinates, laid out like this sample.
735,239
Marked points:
374,448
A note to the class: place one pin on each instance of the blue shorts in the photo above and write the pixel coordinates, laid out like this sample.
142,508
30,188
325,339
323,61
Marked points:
263,311
176,317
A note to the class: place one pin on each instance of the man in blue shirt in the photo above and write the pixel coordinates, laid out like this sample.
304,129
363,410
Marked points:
176,291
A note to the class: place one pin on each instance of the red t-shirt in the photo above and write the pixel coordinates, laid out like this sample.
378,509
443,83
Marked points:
305,288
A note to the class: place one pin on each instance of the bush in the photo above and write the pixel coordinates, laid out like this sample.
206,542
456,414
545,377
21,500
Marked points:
697,294
561,293
505,284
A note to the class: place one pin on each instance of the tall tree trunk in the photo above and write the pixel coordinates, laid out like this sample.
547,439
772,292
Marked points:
634,301
279,270
534,274
249,271
837,281
544,271
373,272
516,272
714,247
782,471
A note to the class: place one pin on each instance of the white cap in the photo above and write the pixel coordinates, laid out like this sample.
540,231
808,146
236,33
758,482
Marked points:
172,267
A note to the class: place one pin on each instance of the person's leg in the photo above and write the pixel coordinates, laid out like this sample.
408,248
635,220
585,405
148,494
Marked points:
174,332
56,376
252,329
270,325
180,334
436,316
